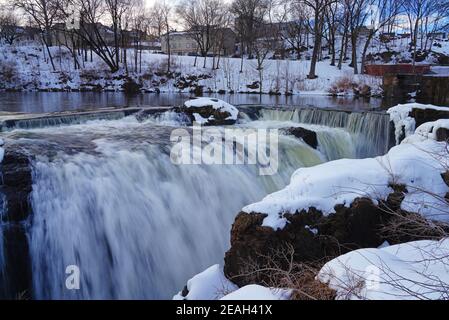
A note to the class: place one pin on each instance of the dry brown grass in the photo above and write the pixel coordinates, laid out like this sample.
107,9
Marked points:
280,270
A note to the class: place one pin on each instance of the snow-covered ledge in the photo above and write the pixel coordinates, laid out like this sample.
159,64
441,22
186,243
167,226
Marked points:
404,117
211,284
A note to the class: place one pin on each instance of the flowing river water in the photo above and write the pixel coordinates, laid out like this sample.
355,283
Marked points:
106,197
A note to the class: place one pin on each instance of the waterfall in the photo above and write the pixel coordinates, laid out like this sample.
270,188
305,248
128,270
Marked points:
49,121
371,130
135,224
106,198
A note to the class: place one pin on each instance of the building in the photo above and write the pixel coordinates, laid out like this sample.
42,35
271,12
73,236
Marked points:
184,43
437,35
29,34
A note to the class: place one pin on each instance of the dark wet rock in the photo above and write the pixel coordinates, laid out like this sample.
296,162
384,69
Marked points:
442,134
185,291
16,186
346,229
422,116
308,136
255,85
315,237
445,177
198,90
131,87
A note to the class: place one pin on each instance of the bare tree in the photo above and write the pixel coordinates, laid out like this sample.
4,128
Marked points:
417,12
161,13
203,19
294,15
387,11
249,15
44,13
9,24
89,29
357,14
318,9
116,10
139,23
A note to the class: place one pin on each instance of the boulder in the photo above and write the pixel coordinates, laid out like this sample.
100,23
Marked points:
312,235
442,134
209,111
308,136
131,87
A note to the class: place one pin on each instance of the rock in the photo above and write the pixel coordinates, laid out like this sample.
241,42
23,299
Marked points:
347,229
131,87
442,134
445,177
209,111
308,136
16,188
16,184
422,116
255,85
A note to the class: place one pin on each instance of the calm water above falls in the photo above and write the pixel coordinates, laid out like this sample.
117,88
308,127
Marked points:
35,102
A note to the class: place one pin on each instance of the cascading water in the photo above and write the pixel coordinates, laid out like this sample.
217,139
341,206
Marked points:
370,130
107,198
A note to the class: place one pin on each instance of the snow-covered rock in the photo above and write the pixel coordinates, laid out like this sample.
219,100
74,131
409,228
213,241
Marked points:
256,292
436,130
211,284
418,166
210,111
413,270
404,117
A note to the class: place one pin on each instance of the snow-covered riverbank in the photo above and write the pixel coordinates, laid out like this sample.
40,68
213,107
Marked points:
27,68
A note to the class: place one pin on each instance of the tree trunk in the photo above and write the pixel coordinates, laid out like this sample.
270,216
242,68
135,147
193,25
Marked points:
316,47
365,50
354,53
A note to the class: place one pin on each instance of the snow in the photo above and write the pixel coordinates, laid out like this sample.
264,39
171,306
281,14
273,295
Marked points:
210,284
400,115
429,129
217,104
256,292
418,166
413,270
32,70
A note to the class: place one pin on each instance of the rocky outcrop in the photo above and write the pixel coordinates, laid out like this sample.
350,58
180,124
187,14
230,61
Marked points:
16,187
314,237
308,136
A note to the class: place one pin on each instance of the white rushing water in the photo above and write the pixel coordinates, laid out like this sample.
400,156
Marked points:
136,225
370,131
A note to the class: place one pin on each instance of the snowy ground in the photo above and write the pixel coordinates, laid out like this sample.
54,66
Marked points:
28,68
413,270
